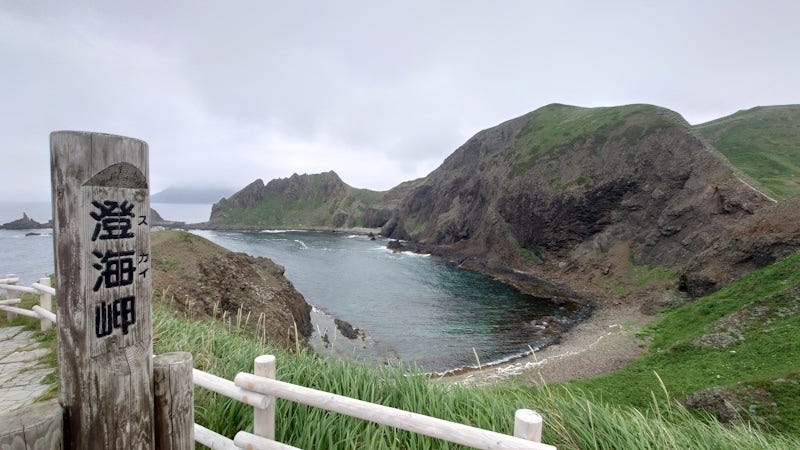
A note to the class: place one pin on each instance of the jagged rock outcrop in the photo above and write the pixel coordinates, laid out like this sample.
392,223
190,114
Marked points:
767,236
157,221
562,182
300,201
198,277
25,223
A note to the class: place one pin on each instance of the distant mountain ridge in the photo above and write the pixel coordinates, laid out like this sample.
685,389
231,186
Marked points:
190,195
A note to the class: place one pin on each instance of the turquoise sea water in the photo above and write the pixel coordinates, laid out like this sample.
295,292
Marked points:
419,308
427,311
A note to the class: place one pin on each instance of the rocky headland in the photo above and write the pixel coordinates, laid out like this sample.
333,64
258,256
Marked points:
26,223
629,208
197,277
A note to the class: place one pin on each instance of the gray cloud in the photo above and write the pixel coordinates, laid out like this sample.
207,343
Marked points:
226,92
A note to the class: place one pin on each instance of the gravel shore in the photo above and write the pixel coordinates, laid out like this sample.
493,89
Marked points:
604,342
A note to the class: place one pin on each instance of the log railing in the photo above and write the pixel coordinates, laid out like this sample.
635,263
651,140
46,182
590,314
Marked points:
174,376
42,311
260,390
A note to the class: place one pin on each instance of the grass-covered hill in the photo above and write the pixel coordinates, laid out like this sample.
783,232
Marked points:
300,201
735,352
764,143
561,186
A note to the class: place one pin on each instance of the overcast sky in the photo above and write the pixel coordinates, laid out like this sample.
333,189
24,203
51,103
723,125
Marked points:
381,92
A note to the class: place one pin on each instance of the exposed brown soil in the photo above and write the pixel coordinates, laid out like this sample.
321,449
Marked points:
199,278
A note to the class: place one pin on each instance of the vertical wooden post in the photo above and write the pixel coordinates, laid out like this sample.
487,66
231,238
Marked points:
264,419
9,295
101,237
174,401
528,425
46,302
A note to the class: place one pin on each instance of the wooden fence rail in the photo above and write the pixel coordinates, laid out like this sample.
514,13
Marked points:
260,392
174,376
42,311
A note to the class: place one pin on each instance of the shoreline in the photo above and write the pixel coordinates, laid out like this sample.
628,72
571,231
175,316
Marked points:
600,344
608,327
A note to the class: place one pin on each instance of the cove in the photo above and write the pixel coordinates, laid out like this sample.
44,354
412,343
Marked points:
419,309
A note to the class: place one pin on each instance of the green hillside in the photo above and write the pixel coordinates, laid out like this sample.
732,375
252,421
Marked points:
743,339
300,201
764,143
557,127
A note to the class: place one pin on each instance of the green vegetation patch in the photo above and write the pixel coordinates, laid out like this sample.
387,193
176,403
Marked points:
572,419
554,127
762,142
743,335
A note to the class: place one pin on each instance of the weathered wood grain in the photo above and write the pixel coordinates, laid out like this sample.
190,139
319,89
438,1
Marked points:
264,419
35,427
385,415
105,379
174,401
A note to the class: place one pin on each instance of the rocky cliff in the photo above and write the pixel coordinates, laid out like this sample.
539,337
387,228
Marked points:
593,196
563,184
301,201
200,278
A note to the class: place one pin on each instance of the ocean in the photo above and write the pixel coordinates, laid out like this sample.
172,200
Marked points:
419,309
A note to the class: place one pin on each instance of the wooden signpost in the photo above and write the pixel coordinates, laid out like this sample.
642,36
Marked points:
101,210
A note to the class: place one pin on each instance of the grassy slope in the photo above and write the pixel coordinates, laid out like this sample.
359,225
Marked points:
307,211
764,309
557,126
627,409
764,143
573,420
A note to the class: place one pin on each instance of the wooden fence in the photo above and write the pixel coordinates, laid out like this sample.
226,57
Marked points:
42,311
174,378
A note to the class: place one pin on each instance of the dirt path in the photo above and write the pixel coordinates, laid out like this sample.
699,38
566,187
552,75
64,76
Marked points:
601,344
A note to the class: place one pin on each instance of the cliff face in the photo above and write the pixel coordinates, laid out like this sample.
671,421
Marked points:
767,236
198,277
561,183
300,201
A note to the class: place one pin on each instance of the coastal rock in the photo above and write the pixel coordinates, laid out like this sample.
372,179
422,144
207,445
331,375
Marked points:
200,278
771,234
25,223
157,221
347,330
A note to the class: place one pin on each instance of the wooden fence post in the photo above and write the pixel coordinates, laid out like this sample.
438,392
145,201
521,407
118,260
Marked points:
9,295
46,302
101,238
528,425
264,419
174,401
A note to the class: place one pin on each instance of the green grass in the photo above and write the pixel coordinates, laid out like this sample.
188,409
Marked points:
573,419
556,127
634,407
762,142
767,304
307,211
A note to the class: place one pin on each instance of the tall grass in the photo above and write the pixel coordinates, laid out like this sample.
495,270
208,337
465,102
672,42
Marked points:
573,419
